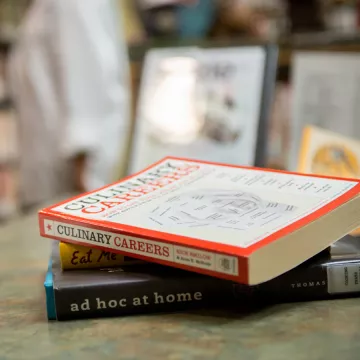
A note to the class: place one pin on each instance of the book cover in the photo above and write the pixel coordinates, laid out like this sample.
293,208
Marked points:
216,219
326,152
49,292
137,289
128,290
319,278
207,103
83,257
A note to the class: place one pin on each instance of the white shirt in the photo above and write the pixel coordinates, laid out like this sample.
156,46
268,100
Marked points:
69,78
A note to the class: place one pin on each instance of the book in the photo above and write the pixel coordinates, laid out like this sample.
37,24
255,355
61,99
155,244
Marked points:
347,247
218,100
151,288
319,278
326,152
83,257
325,94
238,223
128,290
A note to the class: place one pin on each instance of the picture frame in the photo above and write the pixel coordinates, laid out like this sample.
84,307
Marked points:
327,153
326,94
186,108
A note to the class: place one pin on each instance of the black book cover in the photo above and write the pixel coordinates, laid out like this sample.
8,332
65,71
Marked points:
133,289
319,278
152,288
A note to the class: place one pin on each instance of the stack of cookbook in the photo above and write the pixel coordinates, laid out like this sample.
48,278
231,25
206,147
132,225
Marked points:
185,234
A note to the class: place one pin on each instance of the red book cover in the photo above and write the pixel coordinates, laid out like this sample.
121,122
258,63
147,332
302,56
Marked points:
239,223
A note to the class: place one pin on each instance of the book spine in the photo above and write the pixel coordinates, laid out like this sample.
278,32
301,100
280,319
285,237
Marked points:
83,257
49,293
323,281
184,257
109,300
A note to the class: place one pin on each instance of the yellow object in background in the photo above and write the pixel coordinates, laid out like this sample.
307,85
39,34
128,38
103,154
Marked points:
82,257
328,153
335,160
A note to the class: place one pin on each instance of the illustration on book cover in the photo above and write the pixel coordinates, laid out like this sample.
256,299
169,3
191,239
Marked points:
234,209
207,201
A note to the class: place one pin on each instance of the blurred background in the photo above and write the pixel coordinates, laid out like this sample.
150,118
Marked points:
293,25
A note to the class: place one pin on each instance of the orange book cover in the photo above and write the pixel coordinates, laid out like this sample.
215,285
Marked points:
239,223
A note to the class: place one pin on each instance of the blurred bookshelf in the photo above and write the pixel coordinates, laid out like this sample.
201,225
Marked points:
319,41
11,13
281,111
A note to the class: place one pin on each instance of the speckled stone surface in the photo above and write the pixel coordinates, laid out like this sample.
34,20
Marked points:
309,331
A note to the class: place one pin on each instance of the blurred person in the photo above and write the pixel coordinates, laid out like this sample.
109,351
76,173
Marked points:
68,75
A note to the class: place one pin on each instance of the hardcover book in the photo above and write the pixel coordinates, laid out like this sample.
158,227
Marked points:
243,224
325,152
83,257
152,288
207,103
319,278
126,290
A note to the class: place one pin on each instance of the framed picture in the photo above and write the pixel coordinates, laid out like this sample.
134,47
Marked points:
324,152
210,104
325,93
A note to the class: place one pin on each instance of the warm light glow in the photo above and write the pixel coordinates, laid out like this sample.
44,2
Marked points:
173,109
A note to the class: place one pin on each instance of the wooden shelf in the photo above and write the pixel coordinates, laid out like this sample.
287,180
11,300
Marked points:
311,41
318,42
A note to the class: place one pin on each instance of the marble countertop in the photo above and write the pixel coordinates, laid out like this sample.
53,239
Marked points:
307,331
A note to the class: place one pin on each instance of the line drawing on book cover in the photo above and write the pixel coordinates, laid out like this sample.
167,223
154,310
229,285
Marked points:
233,209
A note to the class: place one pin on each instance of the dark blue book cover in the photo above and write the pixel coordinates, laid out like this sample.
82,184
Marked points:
132,289
152,288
